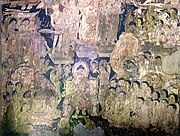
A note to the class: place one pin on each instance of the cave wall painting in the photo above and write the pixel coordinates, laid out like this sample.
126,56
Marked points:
57,69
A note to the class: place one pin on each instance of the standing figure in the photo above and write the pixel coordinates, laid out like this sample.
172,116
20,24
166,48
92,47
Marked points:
103,85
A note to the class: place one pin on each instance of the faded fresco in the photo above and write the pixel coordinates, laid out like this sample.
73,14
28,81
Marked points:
90,67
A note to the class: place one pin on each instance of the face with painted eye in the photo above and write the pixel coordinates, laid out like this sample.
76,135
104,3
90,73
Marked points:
173,23
148,92
12,25
149,101
122,96
113,83
19,86
171,110
140,102
165,15
171,99
112,92
121,83
164,103
135,87
144,86
155,103
155,95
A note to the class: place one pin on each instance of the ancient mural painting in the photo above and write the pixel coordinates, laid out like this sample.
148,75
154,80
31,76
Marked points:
90,67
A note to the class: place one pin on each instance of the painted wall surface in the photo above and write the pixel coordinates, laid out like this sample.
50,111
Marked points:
90,67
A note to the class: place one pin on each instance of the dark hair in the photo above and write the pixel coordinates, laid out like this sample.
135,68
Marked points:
145,82
147,52
158,94
175,97
152,88
165,100
172,105
156,100
26,93
120,79
137,82
165,91
9,83
141,98
158,57
122,92
112,88
174,9
132,24
12,19
18,84
25,20
128,81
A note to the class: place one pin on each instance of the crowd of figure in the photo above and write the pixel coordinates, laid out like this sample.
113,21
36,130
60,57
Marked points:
158,27
145,98
139,105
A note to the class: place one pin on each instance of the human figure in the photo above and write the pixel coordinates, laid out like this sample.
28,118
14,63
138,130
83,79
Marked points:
171,119
156,114
67,75
136,88
103,85
94,70
164,110
109,103
136,117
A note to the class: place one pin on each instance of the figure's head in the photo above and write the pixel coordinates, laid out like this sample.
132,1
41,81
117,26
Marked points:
172,98
47,62
156,102
136,85
112,91
164,93
122,95
144,85
149,101
173,12
121,82
140,101
164,102
139,22
27,94
12,22
127,83
25,22
149,91
155,95
172,108
158,60
94,65
174,23
148,55
19,85
113,82
9,85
